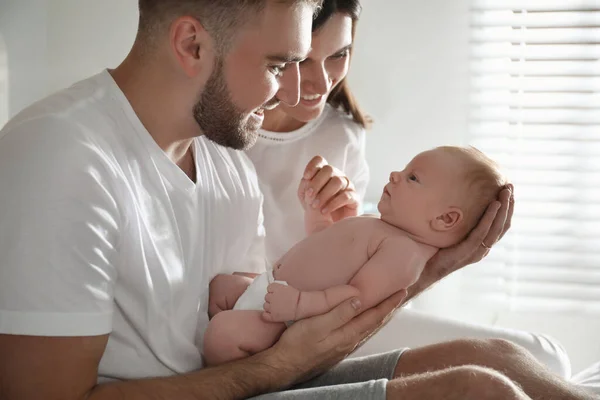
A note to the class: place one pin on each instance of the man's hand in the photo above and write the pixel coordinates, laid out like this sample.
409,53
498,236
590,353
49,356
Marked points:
491,228
313,345
327,189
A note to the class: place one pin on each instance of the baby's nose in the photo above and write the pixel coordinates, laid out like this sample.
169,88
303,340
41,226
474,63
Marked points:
395,177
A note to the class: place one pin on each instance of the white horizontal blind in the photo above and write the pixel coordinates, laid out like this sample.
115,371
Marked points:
535,108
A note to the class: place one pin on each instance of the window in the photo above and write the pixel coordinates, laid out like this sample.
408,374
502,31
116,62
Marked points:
535,108
3,83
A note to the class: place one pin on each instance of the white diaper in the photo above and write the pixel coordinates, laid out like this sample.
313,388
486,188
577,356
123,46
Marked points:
254,296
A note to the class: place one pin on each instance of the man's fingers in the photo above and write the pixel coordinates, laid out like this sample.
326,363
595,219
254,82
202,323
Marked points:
336,318
478,235
498,225
369,321
313,167
367,335
511,209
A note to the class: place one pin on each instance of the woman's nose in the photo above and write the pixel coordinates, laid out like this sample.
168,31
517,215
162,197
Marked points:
316,78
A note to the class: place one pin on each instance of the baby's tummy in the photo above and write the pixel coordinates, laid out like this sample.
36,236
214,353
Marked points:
318,265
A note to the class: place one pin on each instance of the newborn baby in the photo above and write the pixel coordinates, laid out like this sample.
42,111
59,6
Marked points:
433,203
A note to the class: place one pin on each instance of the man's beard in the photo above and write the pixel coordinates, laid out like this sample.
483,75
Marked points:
219,119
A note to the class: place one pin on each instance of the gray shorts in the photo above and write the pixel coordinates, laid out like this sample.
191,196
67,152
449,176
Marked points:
362,378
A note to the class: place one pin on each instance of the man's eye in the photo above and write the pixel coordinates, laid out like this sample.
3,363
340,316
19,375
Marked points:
277,70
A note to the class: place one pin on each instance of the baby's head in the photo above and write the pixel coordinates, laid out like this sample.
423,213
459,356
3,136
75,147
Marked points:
441,194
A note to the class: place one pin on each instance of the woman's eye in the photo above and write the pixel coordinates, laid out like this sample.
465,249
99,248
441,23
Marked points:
343,54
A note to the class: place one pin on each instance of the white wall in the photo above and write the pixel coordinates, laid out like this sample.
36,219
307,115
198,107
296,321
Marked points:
52,44
410,72
86,36
3,83
23,27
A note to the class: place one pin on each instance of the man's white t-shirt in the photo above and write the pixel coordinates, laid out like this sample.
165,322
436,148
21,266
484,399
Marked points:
101,233
280,160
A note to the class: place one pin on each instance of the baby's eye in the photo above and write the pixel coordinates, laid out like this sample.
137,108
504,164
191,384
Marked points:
413,178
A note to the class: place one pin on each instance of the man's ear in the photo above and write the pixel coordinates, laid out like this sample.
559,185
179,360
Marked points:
447,221
191,45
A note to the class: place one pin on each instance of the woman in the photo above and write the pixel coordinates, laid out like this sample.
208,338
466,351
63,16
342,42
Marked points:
329,123
326,122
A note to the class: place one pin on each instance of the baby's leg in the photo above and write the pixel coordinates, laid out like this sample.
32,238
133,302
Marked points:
224,291
236,334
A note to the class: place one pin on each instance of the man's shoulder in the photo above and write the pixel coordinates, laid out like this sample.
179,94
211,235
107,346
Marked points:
65,122
64,133
70,104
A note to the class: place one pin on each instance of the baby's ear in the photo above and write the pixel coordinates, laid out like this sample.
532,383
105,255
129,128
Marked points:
448,221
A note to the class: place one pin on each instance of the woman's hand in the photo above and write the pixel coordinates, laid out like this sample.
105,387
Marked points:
326,188
492,226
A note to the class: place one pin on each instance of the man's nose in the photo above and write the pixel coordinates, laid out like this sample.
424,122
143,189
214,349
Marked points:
289,91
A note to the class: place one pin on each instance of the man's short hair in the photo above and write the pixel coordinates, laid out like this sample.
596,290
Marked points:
221,18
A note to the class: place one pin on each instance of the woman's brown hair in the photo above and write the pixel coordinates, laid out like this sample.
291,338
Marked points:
341,96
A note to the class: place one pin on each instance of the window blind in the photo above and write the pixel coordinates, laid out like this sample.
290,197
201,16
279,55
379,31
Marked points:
3,84
535,108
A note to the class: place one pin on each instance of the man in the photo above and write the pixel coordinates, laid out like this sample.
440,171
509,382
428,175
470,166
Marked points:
123,195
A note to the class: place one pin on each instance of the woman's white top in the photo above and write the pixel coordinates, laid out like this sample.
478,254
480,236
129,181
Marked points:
280,160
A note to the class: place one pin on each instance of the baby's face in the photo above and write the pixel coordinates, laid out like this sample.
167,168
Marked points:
424,190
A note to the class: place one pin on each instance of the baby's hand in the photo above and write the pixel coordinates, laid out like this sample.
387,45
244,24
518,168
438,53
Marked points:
281,303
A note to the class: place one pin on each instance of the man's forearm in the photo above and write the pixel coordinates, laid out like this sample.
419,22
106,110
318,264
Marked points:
261,373
431,274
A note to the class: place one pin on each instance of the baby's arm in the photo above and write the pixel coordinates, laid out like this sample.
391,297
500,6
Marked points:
224,291
315,221
395,265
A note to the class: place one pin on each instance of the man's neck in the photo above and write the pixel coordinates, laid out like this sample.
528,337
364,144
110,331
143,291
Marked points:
157,103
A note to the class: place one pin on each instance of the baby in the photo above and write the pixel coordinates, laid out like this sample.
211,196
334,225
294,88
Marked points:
434,203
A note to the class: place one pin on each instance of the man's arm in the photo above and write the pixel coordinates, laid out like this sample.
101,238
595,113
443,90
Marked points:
33,368
66,368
